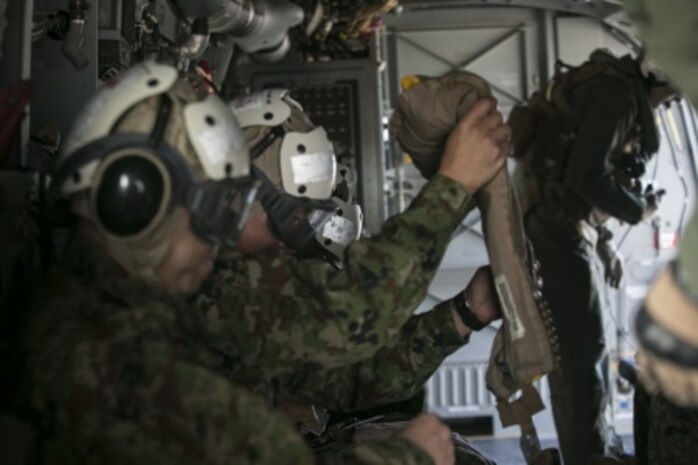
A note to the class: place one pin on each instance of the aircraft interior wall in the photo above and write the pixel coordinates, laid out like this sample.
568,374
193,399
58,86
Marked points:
514,44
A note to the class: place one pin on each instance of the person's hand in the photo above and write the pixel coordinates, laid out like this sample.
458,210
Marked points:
429,434
482,300
612,262
478,146
482,297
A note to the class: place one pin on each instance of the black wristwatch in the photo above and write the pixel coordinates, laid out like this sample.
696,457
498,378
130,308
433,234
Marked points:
460,305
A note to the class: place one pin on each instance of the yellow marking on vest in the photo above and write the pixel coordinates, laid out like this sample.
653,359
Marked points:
408,82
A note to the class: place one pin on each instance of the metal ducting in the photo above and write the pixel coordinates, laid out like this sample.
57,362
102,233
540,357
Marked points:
258,27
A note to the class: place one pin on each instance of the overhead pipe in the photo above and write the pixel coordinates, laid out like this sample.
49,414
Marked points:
258,27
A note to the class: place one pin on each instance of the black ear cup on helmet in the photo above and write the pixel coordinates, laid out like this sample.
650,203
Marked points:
140,181
129,195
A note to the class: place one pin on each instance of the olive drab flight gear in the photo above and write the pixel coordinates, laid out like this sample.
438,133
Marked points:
577,165
544,127
525,347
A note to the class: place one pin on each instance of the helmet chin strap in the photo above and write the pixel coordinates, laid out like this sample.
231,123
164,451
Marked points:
162,118
275,133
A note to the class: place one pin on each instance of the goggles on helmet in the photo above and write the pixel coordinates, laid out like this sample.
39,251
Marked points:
136,179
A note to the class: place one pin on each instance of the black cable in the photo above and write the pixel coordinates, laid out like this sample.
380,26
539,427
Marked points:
162,118
213,86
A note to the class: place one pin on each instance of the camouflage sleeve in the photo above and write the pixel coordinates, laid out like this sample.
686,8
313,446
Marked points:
135,399
395,373
327,317
140,403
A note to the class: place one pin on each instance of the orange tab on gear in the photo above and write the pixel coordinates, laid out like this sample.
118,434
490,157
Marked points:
408,82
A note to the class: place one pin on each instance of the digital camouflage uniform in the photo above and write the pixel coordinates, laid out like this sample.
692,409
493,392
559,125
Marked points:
110,378
324,318
564,237
673,433
668,30
298,331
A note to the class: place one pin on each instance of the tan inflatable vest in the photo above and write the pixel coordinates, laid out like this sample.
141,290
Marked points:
525,348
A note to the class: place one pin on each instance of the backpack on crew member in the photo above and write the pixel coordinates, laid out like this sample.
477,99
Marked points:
543,128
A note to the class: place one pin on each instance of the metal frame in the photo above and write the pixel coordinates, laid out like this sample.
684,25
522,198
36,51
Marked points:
610,13
597,8
15,62
52,70
113,32
547,46
689,118
470,60
516,23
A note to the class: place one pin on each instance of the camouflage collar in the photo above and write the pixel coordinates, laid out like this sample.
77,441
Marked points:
92,266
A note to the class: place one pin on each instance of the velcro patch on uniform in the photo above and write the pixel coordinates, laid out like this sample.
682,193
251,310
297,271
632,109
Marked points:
517,330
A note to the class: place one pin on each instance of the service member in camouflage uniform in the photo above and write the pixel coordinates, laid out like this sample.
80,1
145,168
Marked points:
302,313
395,372
331,318
601,110
302,323
667,28
110,377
